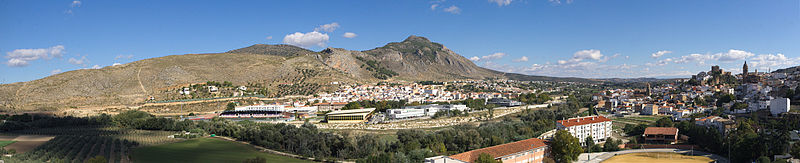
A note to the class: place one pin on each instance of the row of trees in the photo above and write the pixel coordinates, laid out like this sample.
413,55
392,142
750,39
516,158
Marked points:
533,98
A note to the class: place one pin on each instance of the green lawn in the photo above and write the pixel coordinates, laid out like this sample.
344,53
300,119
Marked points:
204,150
4,143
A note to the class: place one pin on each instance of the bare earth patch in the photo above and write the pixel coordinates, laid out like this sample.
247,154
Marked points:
25,143
657,157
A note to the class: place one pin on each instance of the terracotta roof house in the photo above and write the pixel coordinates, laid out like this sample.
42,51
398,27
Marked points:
661,135
528,150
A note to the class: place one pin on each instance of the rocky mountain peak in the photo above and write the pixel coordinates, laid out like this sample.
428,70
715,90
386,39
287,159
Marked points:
414,38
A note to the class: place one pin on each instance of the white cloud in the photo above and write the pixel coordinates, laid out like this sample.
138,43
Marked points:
660,53
433,6
96,67
306,39
22,57
327,27
732,55
349,35
81,62
766,61
521,59
489,57
122,56
453,9
559,1
116,64
56,71
474,58
729,56
582,55
501,2
269,37
75,4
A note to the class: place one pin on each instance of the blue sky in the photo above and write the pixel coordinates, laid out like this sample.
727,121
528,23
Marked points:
580,38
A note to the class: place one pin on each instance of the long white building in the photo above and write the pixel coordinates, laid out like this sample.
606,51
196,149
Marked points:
422,110
598,127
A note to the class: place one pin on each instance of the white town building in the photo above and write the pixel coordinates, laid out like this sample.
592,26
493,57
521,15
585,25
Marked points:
778,106
598,127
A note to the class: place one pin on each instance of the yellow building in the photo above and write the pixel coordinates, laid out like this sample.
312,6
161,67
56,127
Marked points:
349,116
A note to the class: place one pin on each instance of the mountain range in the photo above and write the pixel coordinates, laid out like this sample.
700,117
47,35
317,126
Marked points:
414,59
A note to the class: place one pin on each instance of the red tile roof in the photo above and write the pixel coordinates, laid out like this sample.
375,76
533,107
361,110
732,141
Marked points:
331,103
661,131
501,150
583,120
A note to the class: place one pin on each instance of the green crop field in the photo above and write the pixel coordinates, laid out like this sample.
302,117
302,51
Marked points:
4,143
204,150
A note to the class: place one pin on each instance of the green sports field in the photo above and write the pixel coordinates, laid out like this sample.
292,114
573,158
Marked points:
204,150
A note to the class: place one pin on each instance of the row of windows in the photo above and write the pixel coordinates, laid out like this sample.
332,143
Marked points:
355,117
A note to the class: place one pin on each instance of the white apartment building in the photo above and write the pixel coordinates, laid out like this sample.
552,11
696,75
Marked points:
598,127
778,106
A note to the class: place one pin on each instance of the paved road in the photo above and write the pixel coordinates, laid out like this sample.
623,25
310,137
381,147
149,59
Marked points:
601,156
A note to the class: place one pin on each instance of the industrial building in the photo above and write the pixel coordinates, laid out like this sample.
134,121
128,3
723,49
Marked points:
503,102
349,116
256,111
422,110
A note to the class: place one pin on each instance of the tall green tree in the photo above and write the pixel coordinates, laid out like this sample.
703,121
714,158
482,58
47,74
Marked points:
486,158
611,145
565,147
230,106
664,122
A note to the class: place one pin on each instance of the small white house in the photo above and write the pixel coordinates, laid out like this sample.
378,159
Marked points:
212,89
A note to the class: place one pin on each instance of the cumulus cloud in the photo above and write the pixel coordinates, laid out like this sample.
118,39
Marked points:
501,2
349,35
660,53
81,62
521,59
766,61
96,67
116,64
327,27
492,56
729,56
22,57
586,55
732,55
453,9
433,6
56,71
306,40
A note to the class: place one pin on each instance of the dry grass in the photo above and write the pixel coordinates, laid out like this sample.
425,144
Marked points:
657,157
